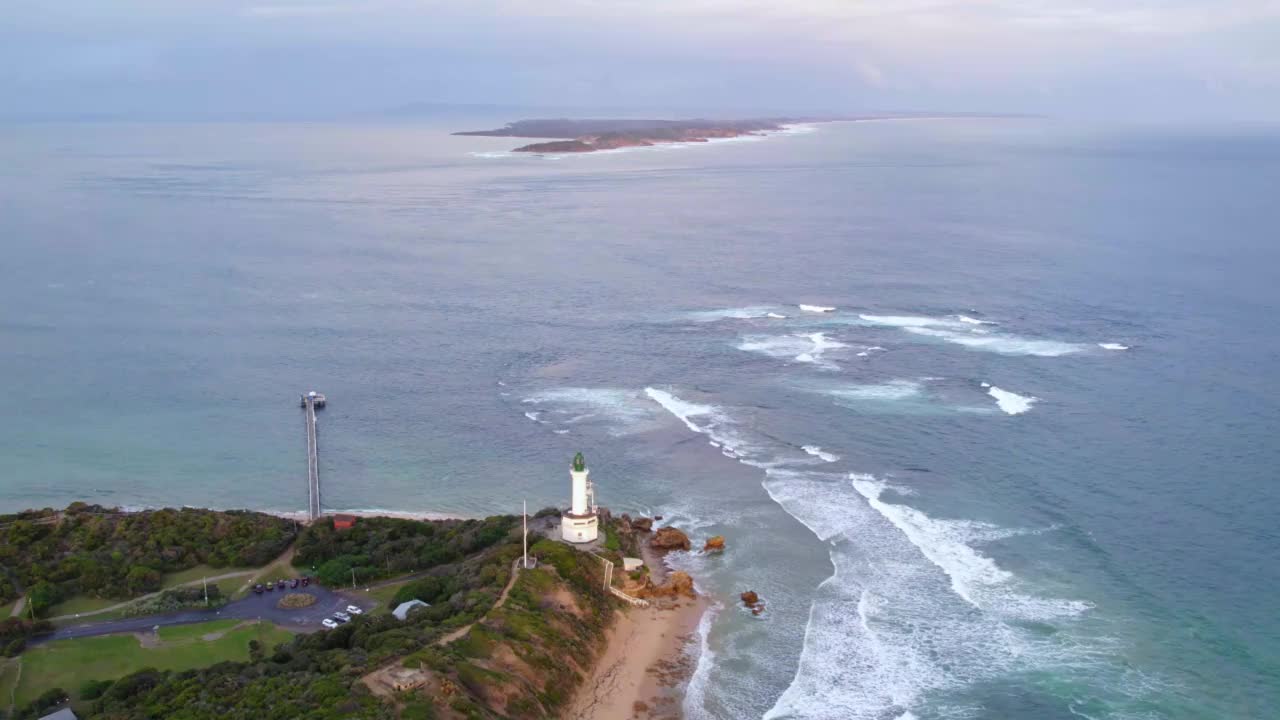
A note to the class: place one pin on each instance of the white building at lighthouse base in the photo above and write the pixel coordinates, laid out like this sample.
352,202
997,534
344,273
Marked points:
576,529
581,523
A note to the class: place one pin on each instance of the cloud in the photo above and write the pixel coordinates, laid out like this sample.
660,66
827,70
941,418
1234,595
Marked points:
1037,55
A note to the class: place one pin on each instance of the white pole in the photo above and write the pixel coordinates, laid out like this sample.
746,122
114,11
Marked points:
525,521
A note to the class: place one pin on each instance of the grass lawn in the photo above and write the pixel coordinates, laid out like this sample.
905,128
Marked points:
68,663
383,595
192,575
8,676
79,604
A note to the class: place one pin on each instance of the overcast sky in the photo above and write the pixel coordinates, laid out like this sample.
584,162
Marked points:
1130,59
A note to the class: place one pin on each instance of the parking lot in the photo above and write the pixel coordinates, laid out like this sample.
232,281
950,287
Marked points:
253,607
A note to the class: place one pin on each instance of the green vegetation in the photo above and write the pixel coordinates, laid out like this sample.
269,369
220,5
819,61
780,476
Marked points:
611,541
103,553
14,633
79,604
70,663
177,599
198,573
385,547
385,595
319,676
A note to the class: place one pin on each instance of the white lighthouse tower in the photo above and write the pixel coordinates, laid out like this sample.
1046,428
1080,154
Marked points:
580,524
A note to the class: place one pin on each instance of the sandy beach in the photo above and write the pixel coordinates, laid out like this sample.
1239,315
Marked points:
645,666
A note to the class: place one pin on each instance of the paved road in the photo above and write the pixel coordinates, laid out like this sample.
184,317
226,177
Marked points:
254,607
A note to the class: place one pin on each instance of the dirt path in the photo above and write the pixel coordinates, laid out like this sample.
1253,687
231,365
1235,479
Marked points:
382,690
286,559
19,606
502,599
148,596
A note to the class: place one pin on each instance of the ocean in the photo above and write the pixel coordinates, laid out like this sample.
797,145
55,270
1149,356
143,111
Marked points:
986,409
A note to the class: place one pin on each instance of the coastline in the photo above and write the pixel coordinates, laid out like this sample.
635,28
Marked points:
648,659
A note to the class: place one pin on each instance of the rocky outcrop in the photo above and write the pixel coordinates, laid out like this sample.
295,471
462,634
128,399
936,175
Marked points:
642,524
669,538
678,584
752,601
714,544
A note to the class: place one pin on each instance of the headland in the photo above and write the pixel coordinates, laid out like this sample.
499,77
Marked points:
566,135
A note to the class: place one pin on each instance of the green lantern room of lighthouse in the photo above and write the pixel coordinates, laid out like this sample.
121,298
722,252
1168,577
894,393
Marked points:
579,463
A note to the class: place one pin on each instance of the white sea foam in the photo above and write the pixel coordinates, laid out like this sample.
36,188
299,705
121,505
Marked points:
742,313
998,343
619,412
818,452
695,692
909,321
889,629
775,316
492,155
887,391
817,308
973,321
974,577
1011,403
1112,346
799,347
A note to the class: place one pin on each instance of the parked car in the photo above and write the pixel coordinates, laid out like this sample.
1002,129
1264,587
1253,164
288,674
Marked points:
280,584
293,583
257,589
305,581
270,588
355,610
331,624
342,616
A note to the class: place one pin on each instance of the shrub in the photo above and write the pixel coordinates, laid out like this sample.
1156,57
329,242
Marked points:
93,689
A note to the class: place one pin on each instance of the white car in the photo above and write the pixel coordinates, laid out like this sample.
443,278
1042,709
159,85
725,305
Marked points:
329,623
341,617
355,610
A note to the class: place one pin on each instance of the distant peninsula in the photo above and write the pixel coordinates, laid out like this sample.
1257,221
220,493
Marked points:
565,135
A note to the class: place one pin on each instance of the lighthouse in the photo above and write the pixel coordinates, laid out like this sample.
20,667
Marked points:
580,524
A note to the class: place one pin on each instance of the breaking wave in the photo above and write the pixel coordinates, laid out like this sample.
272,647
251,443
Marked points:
818,452
1112,346
972,332
800,347
1011,403
1003,344
909,321
817,308
912,608
742,313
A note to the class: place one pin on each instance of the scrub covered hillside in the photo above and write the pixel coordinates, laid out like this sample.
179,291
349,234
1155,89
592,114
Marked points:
106,553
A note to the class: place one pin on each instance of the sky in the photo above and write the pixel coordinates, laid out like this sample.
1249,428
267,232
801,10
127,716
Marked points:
1128,59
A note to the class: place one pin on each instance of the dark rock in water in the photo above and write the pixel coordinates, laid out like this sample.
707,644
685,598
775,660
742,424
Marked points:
657,517
749,598
714,544
642,524
669,538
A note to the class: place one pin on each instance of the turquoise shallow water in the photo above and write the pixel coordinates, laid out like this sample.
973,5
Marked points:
475,317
